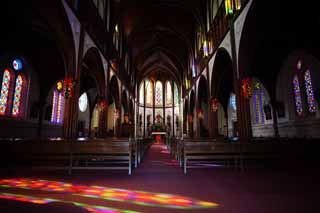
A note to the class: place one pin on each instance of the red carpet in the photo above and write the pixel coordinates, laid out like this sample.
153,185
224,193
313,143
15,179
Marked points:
253,191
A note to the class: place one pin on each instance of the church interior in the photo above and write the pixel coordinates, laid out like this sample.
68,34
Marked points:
159,106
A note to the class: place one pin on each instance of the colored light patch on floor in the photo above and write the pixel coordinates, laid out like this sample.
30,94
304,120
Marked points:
36,200
114,194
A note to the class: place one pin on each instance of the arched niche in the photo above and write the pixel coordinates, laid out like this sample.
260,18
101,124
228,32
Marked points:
261,111
192,114
291,122
114,107
221,88
202,107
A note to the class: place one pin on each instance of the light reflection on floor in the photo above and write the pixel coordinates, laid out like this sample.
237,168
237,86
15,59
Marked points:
107,193
36,200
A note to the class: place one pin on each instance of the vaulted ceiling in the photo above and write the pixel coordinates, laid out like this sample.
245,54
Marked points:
160,34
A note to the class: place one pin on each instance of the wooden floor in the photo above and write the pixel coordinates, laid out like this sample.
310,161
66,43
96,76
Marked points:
216,189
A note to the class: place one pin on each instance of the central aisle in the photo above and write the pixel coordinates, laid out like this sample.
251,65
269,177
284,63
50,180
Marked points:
158,161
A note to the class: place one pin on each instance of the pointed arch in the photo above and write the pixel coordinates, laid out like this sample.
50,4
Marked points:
168,94
5,90
17,98
158,94
149,92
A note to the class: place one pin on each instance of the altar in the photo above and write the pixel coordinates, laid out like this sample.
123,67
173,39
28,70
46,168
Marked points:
158,136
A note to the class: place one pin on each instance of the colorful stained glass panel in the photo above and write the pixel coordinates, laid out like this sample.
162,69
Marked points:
141,94
297,95
17,96
54,106
60,108
158,98
168,94
149,93
176,95
257,105
309,91
4,92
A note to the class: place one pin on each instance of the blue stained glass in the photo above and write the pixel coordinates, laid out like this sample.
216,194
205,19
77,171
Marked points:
17,64
297,95
309,91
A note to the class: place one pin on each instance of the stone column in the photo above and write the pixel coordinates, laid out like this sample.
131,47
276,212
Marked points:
70,119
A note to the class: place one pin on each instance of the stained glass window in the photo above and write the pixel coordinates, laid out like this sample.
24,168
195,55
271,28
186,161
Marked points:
60,109
95,118
176,94
297,95
168,94
149,93
158,98
141,94
257,105
4,92
309,91
194,70
233,102
57,107
54,106
17,96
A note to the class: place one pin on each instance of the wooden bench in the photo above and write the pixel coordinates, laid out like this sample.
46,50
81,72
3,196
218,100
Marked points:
209,152
116,155
75,155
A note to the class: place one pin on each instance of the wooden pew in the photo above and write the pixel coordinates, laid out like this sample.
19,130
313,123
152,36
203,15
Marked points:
116,155
75,155
209,152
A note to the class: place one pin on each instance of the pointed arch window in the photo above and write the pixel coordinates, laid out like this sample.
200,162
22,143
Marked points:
309,91
168,94
159,95
17,96
297,95
95,118
176,94
303,74
257,103
141,94
149,93
13,87
5,91
57,104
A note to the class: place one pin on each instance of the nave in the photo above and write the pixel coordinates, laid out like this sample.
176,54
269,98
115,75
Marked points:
159,185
